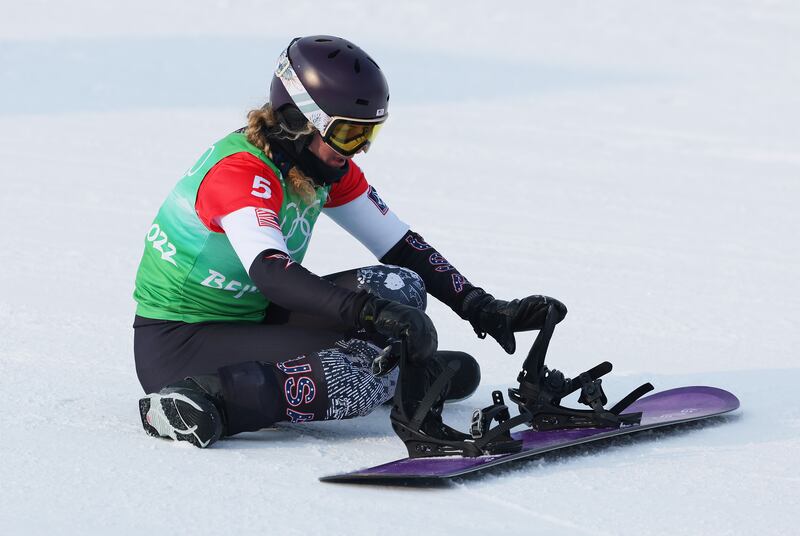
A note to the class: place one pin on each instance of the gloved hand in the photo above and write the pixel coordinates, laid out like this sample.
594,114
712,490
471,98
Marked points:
392,319
501,319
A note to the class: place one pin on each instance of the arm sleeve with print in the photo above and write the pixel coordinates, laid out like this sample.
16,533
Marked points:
357,207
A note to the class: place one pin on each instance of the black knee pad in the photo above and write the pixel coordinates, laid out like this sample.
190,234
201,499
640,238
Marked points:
334,383
394,283
252,396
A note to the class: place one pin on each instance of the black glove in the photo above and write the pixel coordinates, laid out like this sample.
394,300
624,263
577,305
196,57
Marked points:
392,319
501,319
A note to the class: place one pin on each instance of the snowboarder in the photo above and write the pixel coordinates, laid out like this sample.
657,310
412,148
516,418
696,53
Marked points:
232,333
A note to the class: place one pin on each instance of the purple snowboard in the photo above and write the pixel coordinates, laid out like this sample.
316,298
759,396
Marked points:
670,407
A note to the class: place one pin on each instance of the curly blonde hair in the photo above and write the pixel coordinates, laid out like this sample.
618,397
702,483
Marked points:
262,123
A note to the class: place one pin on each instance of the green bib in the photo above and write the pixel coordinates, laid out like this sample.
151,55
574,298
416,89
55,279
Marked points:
192,274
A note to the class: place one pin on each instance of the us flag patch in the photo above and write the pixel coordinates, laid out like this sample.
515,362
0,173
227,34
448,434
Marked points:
267,218
376,199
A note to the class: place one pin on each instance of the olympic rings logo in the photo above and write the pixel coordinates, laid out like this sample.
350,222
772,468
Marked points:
299,223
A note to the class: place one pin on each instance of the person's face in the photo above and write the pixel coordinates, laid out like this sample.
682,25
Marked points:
326,153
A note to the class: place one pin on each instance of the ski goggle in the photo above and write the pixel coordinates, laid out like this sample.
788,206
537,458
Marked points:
348,136
345,135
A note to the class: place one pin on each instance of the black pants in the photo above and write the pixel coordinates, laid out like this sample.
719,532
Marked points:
338,358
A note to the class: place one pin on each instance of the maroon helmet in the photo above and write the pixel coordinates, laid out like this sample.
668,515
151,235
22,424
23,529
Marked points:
336,86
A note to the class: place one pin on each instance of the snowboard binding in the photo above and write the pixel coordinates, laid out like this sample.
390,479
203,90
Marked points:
541,390
416,414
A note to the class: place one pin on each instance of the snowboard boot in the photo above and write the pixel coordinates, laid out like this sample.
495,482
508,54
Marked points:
416,415
188,410
465,381
462,385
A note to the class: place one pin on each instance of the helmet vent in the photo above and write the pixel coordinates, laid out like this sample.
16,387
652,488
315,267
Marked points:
357,66
362,102
323,40
373,62
350,47
334,53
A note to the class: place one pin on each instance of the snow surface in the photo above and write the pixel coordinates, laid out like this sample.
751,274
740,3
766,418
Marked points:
638,160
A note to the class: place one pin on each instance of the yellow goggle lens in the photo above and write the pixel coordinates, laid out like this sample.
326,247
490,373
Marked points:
350,137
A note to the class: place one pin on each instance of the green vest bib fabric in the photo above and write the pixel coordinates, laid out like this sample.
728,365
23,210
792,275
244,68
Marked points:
192,274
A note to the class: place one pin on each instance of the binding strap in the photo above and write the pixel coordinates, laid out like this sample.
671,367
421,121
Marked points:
634,395
433,394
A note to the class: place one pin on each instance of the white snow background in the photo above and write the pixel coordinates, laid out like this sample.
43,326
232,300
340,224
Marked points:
638,160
